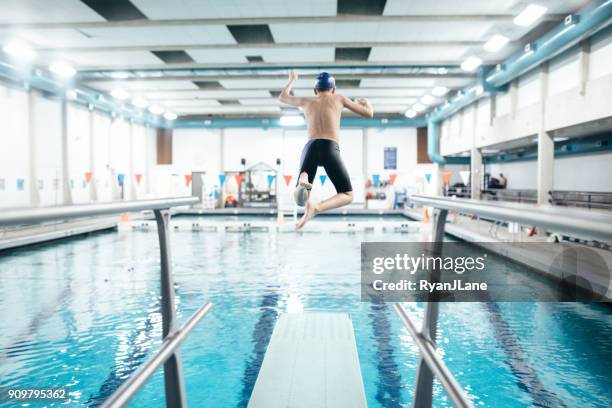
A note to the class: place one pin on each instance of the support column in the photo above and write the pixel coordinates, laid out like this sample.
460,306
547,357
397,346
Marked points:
584,56
546,145
66,192
32,157
130,175
475,172
93,189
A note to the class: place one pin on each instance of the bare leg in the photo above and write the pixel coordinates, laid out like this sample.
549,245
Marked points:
339,200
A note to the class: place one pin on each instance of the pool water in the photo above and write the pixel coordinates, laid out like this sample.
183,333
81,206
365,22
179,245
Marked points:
84,313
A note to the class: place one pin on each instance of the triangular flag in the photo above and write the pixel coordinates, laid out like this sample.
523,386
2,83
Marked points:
446,176
221,179
271,178
121,178
376,179
187,179
428,177
287,179
465,176
238,179
88,176
138,177
323,177
392,178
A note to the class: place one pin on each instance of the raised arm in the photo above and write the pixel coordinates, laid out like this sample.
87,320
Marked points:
363,107
285,95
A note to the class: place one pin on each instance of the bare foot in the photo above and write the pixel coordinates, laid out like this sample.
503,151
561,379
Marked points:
309,212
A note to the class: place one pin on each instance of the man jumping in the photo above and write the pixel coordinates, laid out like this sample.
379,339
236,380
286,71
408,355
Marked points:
323,121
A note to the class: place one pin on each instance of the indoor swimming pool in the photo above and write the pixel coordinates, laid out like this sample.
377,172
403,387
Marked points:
84,313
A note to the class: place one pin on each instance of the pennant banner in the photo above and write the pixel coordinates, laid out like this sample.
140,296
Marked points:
428,177
287,179
446,176
239,179
221,179
187,179
376,179
322,177
20,184
465,176
88,176
121,178
271,178
138,177
392,178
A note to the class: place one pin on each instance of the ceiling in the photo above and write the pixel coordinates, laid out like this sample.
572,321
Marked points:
231,57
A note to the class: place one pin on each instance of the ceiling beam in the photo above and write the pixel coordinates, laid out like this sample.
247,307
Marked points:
274,77
416,66
503,18
206,98
187,46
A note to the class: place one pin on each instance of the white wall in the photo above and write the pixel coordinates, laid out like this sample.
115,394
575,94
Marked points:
105,148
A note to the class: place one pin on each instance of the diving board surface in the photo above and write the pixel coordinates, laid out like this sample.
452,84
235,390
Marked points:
311,362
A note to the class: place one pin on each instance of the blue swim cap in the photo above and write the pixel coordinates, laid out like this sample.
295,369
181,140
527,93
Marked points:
325,81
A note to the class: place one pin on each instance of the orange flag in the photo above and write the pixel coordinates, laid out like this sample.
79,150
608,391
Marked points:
392,178
187,179
238,179
446,176
88,176
138,178
287,179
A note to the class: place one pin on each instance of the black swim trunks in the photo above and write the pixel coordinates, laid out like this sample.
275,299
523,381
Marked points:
326,153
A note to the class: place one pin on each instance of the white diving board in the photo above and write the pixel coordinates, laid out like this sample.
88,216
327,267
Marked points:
311,362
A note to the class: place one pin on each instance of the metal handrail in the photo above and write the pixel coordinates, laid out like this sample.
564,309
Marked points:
435,363
590,225
172,335
41,214
131,386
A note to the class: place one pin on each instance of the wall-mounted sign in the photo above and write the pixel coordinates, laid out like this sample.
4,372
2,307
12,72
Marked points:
390,158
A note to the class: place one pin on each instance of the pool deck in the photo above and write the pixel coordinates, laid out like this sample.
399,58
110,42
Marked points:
311,361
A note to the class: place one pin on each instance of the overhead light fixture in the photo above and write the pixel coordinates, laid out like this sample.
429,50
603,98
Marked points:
120,94
19,51
471,63
442,71
292,120
170,116
62,69
410,113
561,138
439,91
120,75
530,15
140,102
156,109
496,43
428,99
71,94
419,107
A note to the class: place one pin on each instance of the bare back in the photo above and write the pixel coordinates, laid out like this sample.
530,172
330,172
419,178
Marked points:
323,116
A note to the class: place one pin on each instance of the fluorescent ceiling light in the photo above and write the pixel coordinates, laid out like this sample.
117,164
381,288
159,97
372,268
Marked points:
62,69
496,43
140,102
170,115
419,107
156,109
119,75
561,139
410,113
292,120
442,71
428,99
439,90
530,15
20,51
120,94
471,63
